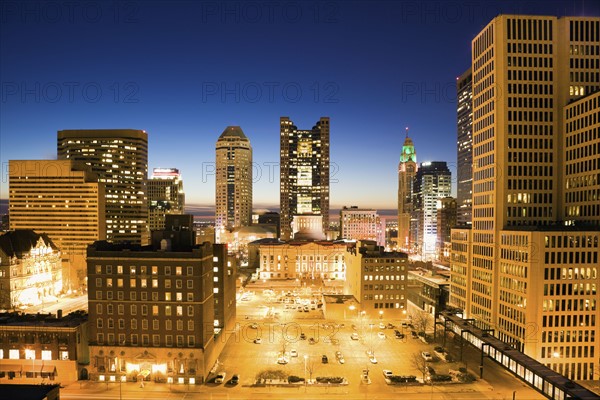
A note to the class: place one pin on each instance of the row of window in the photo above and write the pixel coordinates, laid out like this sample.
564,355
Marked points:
133,324
143,283
156,342
168,296
142,269
29,354
133,308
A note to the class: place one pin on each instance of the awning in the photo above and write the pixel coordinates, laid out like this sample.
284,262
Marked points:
144,373
48,369
10,368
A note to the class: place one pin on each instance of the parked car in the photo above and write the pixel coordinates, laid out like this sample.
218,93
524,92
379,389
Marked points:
354,336
427,356
282,360
414,335
257,341
254,325
387,373
340,357
381,335
324,359
390,325
302,336
293,353
220,377
235,379
373,360
381,325
311,341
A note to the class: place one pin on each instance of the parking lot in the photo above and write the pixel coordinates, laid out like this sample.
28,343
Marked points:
279,320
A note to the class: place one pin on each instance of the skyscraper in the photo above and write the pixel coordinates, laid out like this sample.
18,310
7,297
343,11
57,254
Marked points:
233,181
165,196
523,270
120,159
304,173
464,112
63,199
432,182
407,168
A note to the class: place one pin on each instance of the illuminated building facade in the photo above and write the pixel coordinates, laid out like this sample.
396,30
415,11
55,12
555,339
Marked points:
38,348
432,182
581,144
531,268
120,159
165,196
30,269
464,113
362,224
153,307
407,169
304,173
63,199
302,260
378,280
233,181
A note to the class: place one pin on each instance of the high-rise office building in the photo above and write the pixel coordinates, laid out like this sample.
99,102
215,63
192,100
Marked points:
120,158
304,173
407,168
432,182
446,220
523,269
233,181
63,199
165,196
464,170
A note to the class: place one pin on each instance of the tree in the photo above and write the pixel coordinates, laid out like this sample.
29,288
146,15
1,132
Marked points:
421,320
419,363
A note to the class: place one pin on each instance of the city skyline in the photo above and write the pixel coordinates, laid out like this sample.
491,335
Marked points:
105,85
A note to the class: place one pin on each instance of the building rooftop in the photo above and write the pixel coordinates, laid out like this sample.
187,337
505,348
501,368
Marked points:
46,320
555,228
233,131
30,392
17,242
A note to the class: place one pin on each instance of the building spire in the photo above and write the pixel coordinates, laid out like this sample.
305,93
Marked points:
407,132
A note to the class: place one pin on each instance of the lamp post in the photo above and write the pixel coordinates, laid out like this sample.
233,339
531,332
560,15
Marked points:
305,380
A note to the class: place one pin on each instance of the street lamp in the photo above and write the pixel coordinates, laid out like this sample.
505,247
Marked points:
305,381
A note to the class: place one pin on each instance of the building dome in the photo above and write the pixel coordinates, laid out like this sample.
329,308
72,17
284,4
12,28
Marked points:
233,131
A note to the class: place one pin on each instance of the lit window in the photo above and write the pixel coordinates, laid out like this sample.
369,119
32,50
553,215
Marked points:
46,355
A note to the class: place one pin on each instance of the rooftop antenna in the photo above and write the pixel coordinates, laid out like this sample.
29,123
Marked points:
407,132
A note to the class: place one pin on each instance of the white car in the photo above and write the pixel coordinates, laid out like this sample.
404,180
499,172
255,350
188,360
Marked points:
282,360
354,336
427,356
381,325
381,335
293,353
373,360
387,373
257,341
220,377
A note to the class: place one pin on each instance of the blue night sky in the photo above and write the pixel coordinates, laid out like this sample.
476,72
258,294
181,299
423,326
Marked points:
183,71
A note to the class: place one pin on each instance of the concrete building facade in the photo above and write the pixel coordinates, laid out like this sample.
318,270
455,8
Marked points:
165,196
233,181
63,199
362,224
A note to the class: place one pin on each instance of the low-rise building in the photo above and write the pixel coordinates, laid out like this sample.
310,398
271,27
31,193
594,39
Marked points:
378,280
302,260
429,290
30,269
155,308
36,347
